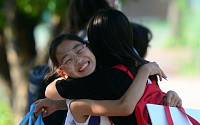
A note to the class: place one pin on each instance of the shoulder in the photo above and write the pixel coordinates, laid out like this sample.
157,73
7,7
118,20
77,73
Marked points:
110,72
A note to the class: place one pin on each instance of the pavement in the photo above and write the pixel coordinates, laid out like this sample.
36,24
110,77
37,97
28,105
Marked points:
187,87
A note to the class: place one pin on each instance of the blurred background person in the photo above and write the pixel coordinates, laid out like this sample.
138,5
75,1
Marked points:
80,12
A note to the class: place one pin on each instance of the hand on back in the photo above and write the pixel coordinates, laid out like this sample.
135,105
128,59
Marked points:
154,69
172,99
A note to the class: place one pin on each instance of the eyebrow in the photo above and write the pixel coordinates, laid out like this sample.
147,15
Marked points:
69,51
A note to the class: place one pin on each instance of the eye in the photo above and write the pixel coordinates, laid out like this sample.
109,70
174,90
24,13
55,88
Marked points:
80,50
68,61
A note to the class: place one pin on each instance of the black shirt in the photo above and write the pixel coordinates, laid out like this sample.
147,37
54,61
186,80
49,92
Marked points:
105,84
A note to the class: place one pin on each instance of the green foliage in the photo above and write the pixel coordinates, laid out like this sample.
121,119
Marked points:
189,67
34,8
6,115
31,7
1,2
188,36
61,6
189,26
2,15
3,20
182,4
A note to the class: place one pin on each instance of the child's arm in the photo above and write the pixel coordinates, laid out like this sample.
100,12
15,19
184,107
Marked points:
48,106
123,106
51,91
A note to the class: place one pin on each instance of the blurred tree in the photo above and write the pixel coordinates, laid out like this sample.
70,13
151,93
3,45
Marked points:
17,44
18,53
184,17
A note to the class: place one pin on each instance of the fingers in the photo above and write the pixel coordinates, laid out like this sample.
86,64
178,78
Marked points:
175,101
40,106
164,75
172,99
168,99
37,113
179,103
161,75
45,113
156,70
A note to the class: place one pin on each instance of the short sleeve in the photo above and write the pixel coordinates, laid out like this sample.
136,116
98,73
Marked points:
108,83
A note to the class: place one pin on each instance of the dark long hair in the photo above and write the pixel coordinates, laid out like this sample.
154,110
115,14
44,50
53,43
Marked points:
52,51
111,39
80,11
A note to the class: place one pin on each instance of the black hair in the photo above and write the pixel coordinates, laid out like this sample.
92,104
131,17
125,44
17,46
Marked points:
141,39
80,11
111,39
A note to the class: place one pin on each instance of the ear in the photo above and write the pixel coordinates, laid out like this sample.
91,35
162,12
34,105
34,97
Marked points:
61,73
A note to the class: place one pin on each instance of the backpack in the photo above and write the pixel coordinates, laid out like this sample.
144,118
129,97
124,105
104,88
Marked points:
152,94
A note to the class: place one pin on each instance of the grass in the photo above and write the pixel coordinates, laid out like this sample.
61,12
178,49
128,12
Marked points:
6,114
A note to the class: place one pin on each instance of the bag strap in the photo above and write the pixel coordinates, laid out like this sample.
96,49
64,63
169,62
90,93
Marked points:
39,120
124,68
168,114
28,116
169,118
111,122
194,121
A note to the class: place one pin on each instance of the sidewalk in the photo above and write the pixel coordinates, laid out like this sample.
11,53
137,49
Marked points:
188,88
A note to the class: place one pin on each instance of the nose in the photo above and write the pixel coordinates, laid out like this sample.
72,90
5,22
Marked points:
78,60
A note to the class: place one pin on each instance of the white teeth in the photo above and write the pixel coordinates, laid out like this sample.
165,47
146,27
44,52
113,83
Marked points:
83,67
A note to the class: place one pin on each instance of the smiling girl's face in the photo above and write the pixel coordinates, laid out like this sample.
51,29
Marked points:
75,59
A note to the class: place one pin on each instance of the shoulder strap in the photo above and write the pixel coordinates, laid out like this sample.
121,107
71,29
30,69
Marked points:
94,120
124,68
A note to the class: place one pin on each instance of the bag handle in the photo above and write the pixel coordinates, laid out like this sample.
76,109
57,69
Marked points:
39,120
194,121
28,116
169,118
